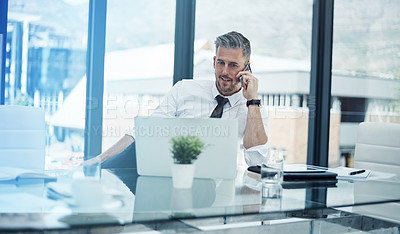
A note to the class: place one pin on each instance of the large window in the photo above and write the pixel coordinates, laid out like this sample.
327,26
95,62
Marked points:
280,35
45,67
366,68
139,62
46,63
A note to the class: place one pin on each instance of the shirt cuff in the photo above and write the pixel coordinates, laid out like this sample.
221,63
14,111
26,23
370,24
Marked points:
131,133
256,154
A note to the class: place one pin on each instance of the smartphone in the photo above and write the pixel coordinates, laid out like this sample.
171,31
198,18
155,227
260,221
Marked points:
247,68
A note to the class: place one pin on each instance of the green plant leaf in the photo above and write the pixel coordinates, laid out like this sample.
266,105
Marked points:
186,149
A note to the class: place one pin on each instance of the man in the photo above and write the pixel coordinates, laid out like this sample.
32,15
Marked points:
199,99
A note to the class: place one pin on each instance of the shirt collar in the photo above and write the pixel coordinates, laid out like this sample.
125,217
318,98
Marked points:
233,99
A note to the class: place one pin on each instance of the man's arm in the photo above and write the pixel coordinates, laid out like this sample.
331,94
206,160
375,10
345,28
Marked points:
115,149
254,133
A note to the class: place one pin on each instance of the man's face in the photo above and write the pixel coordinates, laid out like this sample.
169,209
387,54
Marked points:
227,64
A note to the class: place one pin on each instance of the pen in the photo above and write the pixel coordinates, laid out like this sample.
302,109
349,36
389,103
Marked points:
356,172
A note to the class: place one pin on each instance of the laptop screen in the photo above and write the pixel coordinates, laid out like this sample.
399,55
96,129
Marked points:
217,160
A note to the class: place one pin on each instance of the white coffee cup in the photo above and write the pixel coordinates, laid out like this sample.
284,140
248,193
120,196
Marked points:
87,187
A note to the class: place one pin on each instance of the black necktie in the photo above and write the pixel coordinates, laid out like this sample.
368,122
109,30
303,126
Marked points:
217,113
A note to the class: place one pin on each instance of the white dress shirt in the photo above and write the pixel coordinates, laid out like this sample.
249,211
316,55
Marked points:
196,99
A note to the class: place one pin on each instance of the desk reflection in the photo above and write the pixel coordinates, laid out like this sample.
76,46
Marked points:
157,198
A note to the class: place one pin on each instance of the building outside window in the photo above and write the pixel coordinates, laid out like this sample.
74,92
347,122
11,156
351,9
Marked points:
280,36
366,67
45,60
139,62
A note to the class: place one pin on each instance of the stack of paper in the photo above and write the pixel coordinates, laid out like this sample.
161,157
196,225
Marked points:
15,174
348,173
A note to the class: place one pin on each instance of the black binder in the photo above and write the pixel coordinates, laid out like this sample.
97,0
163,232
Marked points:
301,175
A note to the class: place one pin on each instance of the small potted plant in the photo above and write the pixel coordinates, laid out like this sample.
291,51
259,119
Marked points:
185,150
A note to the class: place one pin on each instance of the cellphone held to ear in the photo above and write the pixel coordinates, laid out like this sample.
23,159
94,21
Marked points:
247,68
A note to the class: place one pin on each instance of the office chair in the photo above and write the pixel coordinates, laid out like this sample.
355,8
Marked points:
22,137
378,149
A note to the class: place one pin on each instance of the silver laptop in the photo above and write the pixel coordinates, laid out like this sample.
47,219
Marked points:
218,159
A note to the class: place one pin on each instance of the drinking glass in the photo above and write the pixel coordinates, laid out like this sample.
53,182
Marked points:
272,174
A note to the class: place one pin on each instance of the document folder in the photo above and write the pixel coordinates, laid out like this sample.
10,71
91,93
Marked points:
301,175
300,184
326,175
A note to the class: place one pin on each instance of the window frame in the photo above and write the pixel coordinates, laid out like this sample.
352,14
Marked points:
320,83
3,42
95,78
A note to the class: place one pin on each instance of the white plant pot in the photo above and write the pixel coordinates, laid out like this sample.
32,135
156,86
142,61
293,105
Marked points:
182,175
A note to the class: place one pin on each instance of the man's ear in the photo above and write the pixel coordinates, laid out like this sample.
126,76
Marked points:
214,61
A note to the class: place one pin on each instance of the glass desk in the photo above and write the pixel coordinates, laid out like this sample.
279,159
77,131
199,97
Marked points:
141,203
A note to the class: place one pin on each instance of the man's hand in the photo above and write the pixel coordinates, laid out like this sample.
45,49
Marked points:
250,83
115,149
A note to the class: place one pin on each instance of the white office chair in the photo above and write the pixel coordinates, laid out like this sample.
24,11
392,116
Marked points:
378,149
22,137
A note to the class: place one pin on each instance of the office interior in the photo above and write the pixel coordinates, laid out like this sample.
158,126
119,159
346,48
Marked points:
323,66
